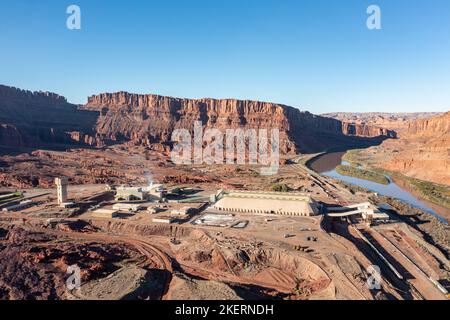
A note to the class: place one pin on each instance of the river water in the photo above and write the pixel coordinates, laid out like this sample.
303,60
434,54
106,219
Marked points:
326,165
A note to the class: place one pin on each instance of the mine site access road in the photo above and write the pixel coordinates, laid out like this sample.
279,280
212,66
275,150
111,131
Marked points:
151,252
155,254
334,191
159,257
165,262
145,247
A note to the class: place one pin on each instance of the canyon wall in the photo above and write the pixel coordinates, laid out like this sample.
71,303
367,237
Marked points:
42,119
424,152
386,122
422,148
435,126
148,119
366,130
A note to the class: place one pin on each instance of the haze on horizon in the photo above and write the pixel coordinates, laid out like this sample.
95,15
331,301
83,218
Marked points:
314,55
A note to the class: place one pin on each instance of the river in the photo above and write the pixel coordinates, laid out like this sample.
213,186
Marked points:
326,165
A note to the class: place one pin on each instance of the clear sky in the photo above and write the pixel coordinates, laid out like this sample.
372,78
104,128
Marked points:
317,55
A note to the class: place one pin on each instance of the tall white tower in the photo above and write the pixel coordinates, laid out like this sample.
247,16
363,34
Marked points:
61,188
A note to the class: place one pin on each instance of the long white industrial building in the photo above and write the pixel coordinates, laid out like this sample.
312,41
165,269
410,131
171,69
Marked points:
291,203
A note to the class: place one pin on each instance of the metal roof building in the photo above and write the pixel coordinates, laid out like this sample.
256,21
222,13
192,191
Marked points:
283,203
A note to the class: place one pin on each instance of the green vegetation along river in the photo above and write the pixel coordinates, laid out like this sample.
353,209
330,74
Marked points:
328,165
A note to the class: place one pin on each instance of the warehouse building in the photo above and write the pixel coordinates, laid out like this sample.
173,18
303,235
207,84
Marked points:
131,194
105,213
164,219
154,192
132,207
283,203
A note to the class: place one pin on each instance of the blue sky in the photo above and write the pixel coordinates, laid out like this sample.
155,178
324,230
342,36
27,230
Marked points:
317,55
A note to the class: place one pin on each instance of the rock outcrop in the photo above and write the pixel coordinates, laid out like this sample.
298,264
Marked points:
39,119
436,126
10,136
388,123
366,130
42,119
424,151
149,119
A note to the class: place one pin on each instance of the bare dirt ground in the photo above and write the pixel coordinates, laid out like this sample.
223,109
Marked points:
273,257
34,263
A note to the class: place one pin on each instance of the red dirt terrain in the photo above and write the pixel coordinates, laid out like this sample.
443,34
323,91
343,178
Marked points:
123,138
34,264
422,150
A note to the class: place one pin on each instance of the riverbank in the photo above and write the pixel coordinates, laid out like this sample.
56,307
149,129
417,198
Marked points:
352,171
433,192
443,211
326,164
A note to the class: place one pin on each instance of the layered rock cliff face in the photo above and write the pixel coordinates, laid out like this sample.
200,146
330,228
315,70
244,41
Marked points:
42,119
366,130
11,136
422,148
436,126
32,119
387,122
149,119
424,151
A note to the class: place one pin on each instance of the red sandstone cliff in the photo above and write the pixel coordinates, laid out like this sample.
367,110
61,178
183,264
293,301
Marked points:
424,150
435,126
397,122
147,119
41,119
366,130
